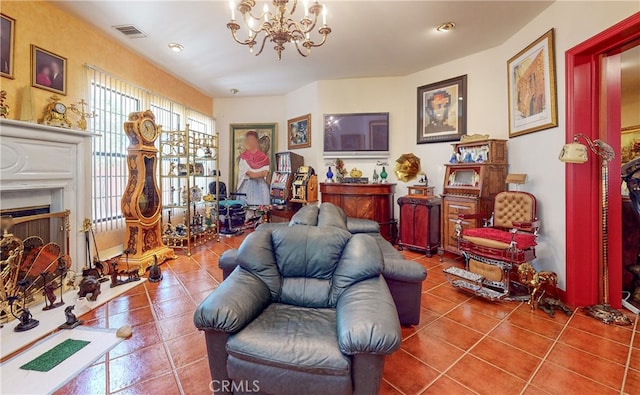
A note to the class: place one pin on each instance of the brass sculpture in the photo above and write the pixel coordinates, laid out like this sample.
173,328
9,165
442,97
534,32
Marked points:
407,167
542,289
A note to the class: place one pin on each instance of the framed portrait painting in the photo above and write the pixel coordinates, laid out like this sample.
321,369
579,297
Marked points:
532,88
7,44
252,157
48,71
442,111
299,132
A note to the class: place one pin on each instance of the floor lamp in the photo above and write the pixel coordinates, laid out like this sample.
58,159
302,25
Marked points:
575,152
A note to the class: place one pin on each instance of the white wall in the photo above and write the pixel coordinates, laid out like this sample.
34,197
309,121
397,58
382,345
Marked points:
534,154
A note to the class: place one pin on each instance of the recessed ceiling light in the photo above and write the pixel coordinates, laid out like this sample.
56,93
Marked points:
175,47
446,27
234,91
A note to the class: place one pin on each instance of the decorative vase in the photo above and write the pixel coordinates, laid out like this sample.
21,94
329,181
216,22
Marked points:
329,175
375,176
383,175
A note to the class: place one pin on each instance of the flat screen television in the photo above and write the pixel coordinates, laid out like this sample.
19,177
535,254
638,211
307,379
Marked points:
363,135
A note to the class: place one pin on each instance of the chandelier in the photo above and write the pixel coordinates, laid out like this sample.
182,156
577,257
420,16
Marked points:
278,26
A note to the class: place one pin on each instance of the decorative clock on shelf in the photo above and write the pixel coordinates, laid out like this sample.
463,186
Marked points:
55,113
141,201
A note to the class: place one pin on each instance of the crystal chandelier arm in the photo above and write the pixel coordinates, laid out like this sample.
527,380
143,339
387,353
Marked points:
311,44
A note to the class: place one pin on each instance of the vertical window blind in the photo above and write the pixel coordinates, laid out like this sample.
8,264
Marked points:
113,99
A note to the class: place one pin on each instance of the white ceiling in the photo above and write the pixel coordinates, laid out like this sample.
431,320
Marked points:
369,39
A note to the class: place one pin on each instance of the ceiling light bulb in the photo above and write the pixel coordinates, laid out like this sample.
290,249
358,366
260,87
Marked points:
234,91
175,47
446,26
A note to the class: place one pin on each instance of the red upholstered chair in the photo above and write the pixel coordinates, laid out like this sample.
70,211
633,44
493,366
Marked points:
493,253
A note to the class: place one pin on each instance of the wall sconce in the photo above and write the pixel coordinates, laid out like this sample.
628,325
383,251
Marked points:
575,152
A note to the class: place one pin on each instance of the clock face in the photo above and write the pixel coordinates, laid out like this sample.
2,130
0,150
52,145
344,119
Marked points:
148,130
60,108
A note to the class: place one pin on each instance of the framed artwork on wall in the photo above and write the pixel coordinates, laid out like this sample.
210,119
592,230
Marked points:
7,44
532,87
442,111
629,144
299,132
252,157
48,70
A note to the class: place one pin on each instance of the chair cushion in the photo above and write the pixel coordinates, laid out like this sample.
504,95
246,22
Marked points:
513,206
332,215
497,238
294,338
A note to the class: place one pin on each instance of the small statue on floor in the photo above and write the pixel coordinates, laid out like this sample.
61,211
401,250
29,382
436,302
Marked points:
89,285
71,320
550,305
155,274
541,283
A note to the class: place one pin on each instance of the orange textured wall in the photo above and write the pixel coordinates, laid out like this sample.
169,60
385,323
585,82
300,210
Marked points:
48,27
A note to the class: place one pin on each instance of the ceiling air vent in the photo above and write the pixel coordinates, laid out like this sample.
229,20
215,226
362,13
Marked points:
130,31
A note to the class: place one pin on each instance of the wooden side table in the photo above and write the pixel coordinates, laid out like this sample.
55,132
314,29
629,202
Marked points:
419,224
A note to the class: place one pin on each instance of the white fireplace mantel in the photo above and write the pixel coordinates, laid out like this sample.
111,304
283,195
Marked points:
48,165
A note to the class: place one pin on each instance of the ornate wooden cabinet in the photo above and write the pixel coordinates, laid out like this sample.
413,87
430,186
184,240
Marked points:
419,223
367,201
471,185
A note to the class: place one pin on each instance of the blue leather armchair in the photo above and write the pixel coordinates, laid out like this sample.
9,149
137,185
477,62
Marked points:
307,311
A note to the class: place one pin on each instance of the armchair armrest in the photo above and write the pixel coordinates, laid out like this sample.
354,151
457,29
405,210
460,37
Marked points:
359,225
367,319
403,270
535,224
228,259
235,303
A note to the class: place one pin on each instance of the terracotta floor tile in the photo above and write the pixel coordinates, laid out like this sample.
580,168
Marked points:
200,296
484,378
196,378
139,366
596,345
177,326
447,292
197,286
164,294
636,339
447,386
621,334
174,307
126,303
138,289
600,370
632,384
407,373
98,312
387,389
96,323
437,275
92,380
135,317
559,316
533,390
635,359
195,275
429,284
557,380
497,310
529,320
186,349
184,267
436,304
528,341
216,273
165,385
432,350
143,336
454,333
513,360
466,316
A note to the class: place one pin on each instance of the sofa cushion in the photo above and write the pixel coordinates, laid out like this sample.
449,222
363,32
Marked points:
360,225
330,215
307,215
294,338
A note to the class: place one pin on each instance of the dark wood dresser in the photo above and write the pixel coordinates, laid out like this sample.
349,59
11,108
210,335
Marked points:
367,201
419,224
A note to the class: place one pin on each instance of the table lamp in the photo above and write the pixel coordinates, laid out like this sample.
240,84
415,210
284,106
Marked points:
575,152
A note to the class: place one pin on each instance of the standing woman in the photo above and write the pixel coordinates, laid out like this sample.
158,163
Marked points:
253,170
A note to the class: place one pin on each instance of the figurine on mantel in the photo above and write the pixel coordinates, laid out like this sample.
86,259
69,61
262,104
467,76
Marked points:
375,176
71,320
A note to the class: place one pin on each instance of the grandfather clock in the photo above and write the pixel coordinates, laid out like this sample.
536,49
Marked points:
141,202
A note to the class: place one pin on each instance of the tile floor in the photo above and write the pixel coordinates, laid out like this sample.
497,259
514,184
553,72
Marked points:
463,345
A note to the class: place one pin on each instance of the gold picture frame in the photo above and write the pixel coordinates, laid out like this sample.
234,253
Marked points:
48,71
299,132
532,88
7,46
267,133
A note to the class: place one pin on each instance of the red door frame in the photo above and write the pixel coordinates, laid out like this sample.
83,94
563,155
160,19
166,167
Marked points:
585,115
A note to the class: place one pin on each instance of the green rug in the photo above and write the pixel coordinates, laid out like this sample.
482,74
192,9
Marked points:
55,356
